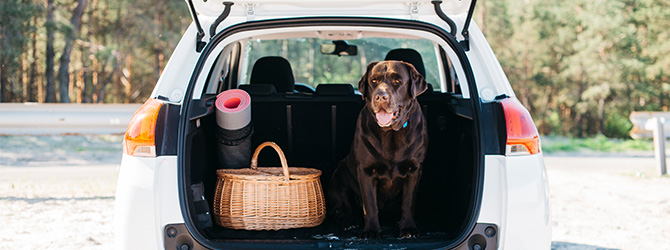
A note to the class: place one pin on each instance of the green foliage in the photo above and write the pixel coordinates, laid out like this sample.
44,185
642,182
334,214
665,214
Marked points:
582,66
599,143
617,125
15,25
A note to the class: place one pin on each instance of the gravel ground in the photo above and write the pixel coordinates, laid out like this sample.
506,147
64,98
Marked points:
608,202
57,192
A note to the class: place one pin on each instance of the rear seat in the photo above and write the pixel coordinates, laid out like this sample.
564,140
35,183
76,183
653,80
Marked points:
314,130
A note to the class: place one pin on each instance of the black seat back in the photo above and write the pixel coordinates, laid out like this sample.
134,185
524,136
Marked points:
410,56
273,70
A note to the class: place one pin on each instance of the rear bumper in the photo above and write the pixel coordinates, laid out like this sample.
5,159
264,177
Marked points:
516,197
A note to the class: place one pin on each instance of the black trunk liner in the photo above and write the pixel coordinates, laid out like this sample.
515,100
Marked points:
445,189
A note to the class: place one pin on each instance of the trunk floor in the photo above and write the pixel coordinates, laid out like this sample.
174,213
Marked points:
331,231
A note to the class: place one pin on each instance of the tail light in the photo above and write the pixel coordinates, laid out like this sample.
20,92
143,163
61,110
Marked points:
522,135
141,133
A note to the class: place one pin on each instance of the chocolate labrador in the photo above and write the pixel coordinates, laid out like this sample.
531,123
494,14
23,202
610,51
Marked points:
390,142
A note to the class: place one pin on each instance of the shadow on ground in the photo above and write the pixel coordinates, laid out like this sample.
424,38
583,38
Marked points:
560,245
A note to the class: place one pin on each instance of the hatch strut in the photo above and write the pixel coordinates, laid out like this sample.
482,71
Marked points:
465,43
199,44
466,34
224,14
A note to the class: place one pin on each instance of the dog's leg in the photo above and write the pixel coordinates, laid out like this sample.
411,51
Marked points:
340,199
408,228
368,185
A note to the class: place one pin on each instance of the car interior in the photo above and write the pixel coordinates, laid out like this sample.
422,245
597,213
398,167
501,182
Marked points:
315,126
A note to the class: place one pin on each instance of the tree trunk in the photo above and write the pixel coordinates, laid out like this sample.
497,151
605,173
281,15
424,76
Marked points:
24,77
127,78
601,119
101,91
33,66
3,84
50,88
63,71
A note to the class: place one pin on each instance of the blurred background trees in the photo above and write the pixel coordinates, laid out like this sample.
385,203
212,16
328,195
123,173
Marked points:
579,66
582,66
88,51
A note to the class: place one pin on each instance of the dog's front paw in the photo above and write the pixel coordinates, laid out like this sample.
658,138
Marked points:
349,225
345,220
371,234
409,233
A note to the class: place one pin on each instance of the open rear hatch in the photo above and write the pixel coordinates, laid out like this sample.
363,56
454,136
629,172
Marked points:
211,14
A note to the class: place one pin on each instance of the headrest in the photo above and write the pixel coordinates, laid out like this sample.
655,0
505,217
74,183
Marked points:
429,90
409,56
334,89
259,89
273,70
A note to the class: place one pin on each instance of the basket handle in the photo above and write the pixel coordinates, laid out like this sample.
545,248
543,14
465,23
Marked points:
282,158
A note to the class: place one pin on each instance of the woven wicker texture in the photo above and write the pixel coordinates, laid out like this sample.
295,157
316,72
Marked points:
269,198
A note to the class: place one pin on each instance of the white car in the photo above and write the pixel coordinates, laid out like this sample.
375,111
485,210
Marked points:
484,183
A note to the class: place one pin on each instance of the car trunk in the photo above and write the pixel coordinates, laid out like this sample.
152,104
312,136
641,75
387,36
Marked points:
317,131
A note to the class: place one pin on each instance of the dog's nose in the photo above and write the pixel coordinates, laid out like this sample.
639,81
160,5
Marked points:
381,96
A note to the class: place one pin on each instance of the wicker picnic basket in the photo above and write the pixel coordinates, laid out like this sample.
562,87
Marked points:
269,198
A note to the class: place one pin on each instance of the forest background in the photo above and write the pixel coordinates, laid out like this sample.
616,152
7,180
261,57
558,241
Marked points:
579,66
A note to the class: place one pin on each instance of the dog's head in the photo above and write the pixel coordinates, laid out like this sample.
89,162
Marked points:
389,88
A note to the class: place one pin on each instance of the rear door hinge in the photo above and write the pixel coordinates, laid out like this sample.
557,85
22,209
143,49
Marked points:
414,10
250,10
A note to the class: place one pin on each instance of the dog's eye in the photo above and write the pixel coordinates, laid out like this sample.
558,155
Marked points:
374,81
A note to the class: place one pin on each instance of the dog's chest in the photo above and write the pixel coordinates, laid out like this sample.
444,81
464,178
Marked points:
389,174
391,179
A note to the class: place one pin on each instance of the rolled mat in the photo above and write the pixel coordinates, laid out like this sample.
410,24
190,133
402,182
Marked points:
233,109
233,117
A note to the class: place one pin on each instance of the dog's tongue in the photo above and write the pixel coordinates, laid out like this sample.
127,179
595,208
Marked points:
384,118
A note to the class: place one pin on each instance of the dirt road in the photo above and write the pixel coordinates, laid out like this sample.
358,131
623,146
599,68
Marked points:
608,203
59,197
57,207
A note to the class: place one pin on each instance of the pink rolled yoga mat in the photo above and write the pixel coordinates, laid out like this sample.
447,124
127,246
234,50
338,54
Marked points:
233,109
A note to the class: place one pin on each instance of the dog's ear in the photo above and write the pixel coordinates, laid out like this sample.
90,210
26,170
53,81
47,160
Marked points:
363,85
419,84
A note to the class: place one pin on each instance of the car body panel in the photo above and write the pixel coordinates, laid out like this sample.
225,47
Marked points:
145,201
177,71
491,79
528,218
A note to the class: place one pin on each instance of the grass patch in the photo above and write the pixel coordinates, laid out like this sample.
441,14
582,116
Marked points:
600,143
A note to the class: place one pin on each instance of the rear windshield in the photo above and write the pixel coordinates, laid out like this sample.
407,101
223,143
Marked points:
311,67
